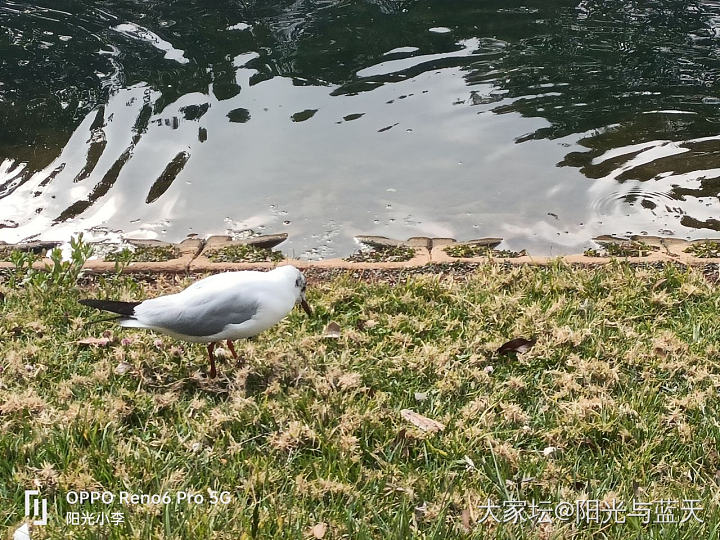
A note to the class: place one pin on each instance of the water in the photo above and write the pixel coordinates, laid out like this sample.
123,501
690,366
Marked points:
544,122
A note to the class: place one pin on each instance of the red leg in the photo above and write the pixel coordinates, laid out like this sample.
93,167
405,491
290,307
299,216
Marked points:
213,371
232,349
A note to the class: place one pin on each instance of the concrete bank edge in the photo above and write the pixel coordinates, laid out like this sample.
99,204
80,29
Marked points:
427,251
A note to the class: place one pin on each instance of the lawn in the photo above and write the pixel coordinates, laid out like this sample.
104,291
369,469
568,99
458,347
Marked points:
616,404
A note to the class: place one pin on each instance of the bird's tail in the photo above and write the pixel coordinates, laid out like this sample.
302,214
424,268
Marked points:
126,309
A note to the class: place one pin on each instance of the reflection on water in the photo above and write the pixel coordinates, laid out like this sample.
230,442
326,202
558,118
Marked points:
543,122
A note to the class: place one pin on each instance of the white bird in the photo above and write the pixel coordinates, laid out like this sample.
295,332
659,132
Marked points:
226,306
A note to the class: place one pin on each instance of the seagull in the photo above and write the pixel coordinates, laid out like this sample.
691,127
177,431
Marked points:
226,306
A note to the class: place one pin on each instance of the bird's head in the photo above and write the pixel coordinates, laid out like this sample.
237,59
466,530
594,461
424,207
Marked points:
300,287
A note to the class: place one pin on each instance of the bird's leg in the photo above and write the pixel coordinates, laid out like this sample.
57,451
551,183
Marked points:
240,359
213,371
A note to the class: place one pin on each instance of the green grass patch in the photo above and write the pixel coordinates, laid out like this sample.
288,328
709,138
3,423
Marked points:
245,253
617,399
9,253
6,253
475,250
144,254
383,254
621,249
705,250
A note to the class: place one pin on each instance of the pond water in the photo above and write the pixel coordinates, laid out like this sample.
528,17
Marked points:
545,122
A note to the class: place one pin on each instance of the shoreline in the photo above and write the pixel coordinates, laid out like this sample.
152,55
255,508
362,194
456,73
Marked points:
192,254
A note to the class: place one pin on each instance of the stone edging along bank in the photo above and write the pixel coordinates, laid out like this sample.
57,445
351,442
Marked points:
191,255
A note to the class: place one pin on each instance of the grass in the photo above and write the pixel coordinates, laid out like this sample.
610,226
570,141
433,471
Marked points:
474,250
617,399
706,249
6,253
383,254
244,253
631,248
144,254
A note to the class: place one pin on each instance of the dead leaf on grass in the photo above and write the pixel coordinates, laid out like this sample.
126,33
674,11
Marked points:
422,422
465,517
659,283
319,530
517,345
122,368
332,331
95,342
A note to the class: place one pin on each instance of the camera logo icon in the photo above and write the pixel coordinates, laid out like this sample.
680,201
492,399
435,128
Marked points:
38,509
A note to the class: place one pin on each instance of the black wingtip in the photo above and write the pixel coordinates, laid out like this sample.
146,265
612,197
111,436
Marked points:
114,306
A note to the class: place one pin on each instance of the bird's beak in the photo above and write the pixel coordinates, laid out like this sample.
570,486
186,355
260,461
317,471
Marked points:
306,307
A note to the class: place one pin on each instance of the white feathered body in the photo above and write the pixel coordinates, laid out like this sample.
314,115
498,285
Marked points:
203,312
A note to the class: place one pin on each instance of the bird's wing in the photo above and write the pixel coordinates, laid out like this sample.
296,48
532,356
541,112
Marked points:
202,311
226,279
